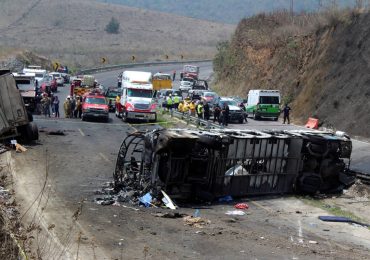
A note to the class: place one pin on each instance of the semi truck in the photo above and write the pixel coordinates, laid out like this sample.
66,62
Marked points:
263,104
15,121
136,102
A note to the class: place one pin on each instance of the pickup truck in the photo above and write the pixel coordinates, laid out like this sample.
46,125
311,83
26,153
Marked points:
95,106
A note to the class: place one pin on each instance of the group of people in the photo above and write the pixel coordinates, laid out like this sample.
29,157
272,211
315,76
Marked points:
73,107
46,102
203,110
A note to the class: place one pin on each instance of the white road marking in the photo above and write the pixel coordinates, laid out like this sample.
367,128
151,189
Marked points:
300,233
82,133
104,157
268,209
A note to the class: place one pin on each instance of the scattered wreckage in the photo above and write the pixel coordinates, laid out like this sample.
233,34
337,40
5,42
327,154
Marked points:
209,164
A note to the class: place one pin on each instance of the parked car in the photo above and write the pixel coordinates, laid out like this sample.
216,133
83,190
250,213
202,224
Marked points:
58,77
195,94
49,84
200,84
186,84
236,113
209,96
95,106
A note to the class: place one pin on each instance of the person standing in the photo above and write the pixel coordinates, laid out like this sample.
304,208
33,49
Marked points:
79,107
73,107
192,108
200,110
286,111
67,107
206,110
169,102
225,114
56,106
176,101
46,105
52,103
216,113
174,75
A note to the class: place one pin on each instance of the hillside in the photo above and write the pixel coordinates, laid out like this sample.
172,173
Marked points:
319,62
229,11
73,31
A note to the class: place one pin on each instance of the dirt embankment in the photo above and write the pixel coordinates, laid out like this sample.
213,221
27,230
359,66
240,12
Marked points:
320,62
16,59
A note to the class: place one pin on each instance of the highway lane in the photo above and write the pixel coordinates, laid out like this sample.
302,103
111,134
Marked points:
361,149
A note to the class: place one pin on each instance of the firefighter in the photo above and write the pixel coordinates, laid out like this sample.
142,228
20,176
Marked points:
180,108
192,108
67,107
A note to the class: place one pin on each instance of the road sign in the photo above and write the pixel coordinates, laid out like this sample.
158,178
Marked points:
103,60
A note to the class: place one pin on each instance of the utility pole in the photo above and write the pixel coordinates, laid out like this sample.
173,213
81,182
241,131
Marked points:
291,9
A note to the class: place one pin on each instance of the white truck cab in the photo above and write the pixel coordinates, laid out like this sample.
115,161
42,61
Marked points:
41,75
137,97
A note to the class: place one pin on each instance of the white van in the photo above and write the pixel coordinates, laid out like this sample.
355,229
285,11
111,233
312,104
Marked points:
263,104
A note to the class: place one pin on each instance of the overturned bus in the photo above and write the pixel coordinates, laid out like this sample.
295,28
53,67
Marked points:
209,164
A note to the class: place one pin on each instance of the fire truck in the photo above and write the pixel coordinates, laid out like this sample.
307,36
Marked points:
82,85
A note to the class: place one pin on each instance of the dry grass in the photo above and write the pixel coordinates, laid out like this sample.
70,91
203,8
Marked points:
73,31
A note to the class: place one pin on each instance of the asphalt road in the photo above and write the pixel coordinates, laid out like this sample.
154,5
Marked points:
361,149
82,160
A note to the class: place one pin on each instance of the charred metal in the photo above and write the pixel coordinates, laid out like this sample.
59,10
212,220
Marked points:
208,164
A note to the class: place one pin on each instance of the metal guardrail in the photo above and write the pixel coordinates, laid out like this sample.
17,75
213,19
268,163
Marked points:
198,122
132,65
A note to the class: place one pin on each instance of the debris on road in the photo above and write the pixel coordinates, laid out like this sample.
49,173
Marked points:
19,148
167,201
169,215
226,198
3,149
241,206
235,213
342,219
197,222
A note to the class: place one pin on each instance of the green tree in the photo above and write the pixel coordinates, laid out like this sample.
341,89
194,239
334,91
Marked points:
112,26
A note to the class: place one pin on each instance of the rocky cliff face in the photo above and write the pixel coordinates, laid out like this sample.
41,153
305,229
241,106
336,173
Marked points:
319,62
